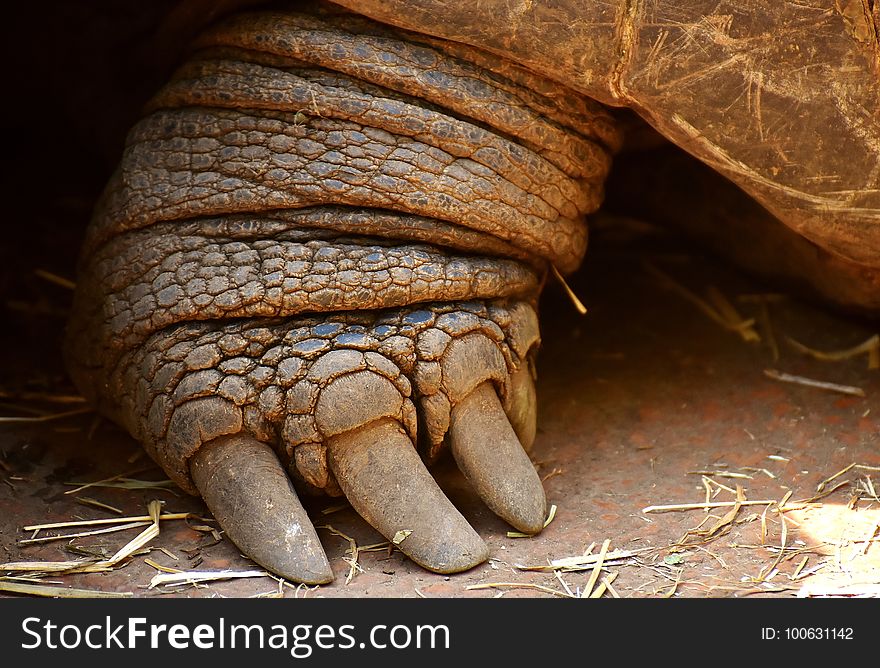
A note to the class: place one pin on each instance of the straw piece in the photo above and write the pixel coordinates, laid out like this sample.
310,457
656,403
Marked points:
353,566
730,314
722,474
401,536
809,382
110,520
597,568
578,304
675,584
730,515
762,577
611,589
169,553
714,556
868,486
555,472
335,508
564,584
821,495
870,539
582,562
767,323
82,534
187,577
136,543
712,481
700,506
861,590
98,483
46,566
130,483
160,567
55,278
604,585
520,534
810,571
94,565
60,592
871,348
517,585
355,549
822,484
728,318
88,501
708,488
784,500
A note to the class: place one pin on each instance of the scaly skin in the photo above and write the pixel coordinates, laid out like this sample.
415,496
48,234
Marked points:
329,237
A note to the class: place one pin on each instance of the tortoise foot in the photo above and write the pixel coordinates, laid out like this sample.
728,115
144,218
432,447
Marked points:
245,413
318,260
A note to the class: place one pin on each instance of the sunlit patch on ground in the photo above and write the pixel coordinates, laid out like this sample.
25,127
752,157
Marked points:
852,538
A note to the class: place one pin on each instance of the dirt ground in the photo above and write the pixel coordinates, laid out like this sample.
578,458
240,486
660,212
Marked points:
644,401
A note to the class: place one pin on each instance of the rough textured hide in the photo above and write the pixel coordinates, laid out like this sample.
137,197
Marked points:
306,164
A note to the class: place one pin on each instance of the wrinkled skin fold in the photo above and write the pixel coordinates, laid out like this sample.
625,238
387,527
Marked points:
317,266
779,97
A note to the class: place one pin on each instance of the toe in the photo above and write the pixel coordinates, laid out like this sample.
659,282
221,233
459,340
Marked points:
248,491
490,455
385,480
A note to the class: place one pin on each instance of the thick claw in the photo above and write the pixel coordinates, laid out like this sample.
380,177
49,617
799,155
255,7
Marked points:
248,491
385,480
489,454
